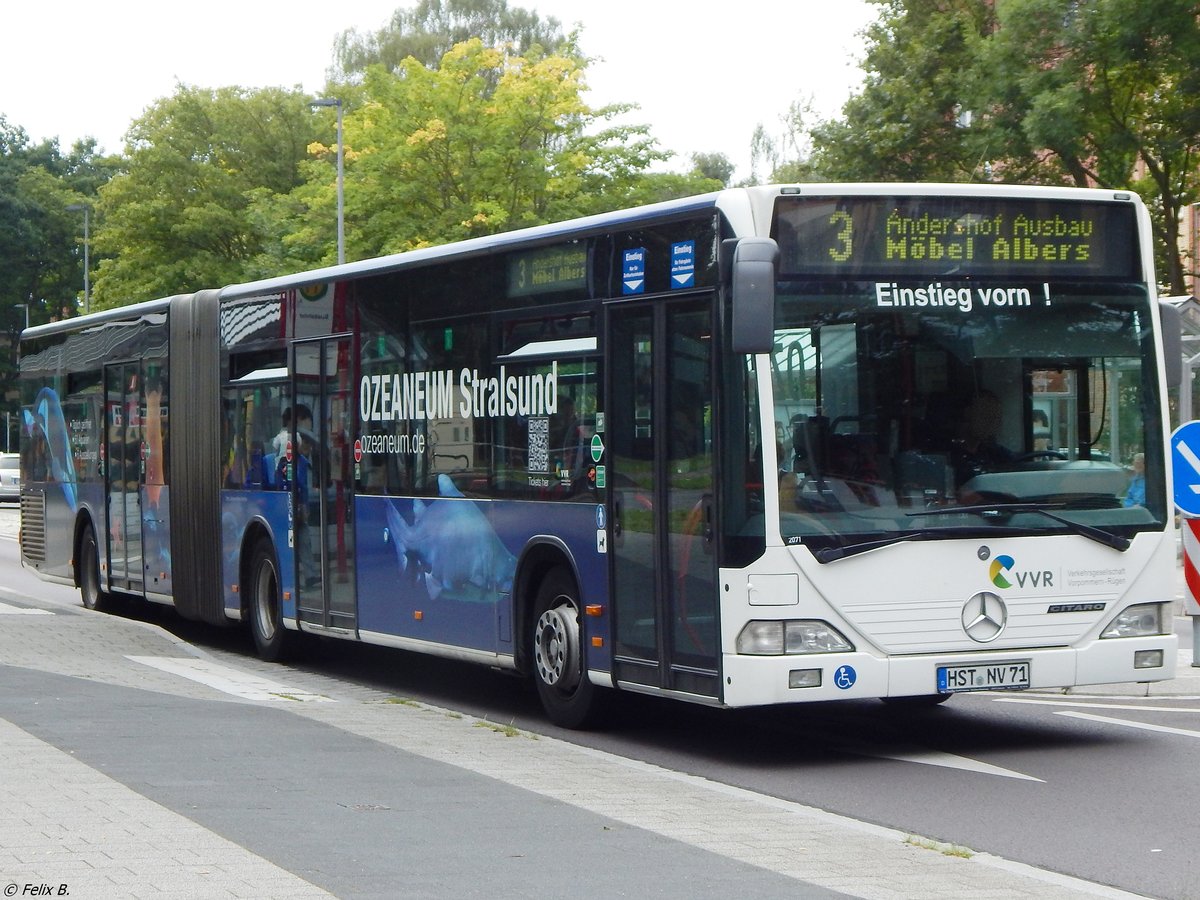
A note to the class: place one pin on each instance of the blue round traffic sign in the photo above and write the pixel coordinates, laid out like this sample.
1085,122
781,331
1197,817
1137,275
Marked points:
1185,467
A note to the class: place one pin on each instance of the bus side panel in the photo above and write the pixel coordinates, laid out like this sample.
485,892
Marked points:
59,527
441,569
156,538
239,509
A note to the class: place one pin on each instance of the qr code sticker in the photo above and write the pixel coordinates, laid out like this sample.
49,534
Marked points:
539,444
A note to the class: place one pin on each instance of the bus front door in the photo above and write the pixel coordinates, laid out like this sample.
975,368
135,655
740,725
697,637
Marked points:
661,488
123,476
322,499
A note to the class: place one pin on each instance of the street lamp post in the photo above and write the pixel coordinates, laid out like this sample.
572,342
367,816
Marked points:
87,275
341,180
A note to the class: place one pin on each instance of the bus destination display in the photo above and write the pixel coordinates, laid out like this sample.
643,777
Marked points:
955,236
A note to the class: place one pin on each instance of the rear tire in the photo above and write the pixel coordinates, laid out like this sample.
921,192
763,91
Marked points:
89,573
272,640
569,698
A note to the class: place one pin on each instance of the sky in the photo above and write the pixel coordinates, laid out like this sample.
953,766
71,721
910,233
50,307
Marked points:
704,73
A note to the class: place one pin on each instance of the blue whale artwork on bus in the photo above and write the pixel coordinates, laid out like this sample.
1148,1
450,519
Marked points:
434,568
46,428
453,547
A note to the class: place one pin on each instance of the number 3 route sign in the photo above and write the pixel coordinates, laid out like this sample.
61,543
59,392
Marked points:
1185,467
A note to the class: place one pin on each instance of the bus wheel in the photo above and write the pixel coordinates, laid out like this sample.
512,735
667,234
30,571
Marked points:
89,572
266,618
569,698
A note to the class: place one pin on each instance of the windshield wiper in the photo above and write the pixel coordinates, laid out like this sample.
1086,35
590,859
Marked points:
997,510
829,554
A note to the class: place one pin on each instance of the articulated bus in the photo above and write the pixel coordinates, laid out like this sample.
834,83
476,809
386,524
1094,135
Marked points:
768,445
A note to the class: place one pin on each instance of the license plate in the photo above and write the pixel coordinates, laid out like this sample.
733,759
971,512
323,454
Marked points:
1005,676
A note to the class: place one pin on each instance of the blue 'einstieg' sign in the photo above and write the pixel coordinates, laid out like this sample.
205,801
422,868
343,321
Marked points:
683,264
633,271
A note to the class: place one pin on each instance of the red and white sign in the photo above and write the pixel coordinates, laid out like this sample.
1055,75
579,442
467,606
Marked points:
358,454
1191,566
287,452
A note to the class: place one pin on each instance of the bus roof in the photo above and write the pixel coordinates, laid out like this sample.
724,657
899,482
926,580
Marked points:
480,246
145,308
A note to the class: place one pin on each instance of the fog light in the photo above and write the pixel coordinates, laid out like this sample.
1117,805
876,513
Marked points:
802,678
1147,659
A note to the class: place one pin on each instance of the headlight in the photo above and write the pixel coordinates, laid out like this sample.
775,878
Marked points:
791,637
1136,621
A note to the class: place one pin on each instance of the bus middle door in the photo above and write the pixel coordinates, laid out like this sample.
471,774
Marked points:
322,486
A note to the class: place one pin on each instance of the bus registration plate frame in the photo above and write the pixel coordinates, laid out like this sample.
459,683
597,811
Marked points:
1010,675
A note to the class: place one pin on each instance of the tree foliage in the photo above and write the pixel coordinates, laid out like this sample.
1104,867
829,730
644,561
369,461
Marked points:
41,259
435,155
1086,92
428,31
906,123
179,217
1103,93
40,239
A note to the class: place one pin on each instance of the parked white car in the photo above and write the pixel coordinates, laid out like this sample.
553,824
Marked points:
10,476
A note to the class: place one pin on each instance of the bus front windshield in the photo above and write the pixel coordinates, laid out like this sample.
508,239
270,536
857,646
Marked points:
925,417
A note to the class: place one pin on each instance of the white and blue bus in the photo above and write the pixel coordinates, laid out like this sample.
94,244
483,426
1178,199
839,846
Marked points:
768,445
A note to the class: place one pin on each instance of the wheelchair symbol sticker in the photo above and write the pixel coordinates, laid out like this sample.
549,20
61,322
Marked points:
845,677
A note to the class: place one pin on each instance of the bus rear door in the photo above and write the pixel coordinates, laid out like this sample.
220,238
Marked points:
123,475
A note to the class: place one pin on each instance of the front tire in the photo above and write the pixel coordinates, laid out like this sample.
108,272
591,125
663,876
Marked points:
90,592
569,698
272,641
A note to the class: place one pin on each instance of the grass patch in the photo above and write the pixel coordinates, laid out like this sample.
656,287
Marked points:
944,849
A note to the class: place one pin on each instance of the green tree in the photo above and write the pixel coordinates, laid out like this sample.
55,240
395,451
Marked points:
786,157
906,123
41,265
182,214
429,30
713,166
435,155
41,260
1100,93
1086,92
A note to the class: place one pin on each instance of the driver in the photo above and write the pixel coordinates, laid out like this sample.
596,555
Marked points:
978,450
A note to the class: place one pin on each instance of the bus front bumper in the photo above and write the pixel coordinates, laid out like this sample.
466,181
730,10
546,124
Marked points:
761,680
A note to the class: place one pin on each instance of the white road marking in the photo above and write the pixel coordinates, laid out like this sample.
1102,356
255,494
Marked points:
229,680
1100,705
1108,720
949,761
9,610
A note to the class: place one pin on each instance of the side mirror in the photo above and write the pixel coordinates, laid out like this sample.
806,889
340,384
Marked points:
1171,341
753,281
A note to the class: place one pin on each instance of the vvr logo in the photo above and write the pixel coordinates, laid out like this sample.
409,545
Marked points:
1002,575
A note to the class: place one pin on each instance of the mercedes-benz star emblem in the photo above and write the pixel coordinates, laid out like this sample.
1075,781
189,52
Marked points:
984,616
